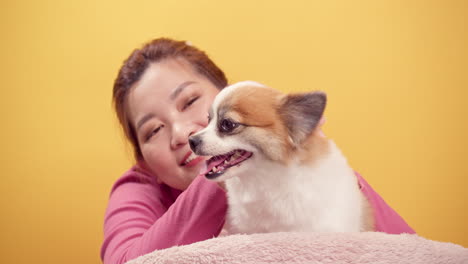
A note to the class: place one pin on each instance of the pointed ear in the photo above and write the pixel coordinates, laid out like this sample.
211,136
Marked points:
301,113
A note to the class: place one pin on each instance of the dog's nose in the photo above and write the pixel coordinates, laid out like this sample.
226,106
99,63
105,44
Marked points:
194,142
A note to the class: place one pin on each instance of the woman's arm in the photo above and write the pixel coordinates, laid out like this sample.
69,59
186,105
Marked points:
385,218
137,221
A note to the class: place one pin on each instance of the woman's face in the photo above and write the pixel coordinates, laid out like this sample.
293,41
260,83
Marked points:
168,104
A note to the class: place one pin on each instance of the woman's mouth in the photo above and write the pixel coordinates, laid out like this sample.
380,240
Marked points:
191,160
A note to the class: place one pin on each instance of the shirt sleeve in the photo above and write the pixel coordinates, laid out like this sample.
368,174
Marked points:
137,221
386,219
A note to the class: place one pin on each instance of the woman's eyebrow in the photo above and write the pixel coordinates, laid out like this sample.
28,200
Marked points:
172,96
143,120
179,89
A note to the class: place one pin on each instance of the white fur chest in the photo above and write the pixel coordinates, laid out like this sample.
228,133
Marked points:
276,198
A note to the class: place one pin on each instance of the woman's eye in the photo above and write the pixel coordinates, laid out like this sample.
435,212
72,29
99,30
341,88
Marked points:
152,133
227,126
190,102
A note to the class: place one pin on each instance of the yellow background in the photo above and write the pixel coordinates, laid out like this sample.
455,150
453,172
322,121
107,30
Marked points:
396,73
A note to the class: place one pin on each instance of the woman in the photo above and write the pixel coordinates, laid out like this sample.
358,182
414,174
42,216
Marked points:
162,95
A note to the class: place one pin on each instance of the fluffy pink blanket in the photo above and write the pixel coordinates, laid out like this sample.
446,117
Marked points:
370,247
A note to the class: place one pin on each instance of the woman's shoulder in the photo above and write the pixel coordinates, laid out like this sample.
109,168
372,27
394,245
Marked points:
138,185
386,218
134,176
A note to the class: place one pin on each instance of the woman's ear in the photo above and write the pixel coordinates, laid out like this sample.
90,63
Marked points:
141,165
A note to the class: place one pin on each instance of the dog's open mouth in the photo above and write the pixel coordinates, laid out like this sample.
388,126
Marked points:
217,165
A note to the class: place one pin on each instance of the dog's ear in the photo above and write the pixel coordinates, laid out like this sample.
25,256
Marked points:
301,113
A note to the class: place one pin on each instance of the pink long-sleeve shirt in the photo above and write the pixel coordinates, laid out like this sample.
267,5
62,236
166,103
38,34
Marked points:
143,216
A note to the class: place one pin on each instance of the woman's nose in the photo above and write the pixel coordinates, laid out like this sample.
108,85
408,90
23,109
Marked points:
180,135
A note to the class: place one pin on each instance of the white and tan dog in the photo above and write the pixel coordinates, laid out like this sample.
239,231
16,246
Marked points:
279,173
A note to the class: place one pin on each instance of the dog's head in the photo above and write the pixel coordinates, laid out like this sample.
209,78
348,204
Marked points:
250,123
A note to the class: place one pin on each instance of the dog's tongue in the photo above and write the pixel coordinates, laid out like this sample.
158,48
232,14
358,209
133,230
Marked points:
214,161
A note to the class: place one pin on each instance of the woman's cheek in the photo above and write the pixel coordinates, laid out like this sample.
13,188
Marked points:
153,158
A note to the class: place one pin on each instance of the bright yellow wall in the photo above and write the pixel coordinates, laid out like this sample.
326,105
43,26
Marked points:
396,73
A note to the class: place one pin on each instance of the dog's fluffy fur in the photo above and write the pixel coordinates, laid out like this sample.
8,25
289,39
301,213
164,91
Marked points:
279,173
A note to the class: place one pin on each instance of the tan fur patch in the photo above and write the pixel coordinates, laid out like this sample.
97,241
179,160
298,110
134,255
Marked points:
256,107
313,148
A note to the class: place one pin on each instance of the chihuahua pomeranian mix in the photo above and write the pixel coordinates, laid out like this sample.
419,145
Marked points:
280,173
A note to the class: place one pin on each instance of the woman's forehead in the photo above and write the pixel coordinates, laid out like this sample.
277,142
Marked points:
158,85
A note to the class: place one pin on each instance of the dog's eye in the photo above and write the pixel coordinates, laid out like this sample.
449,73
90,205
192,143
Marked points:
227,125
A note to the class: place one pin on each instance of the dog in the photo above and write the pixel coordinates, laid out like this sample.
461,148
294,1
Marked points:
280,173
